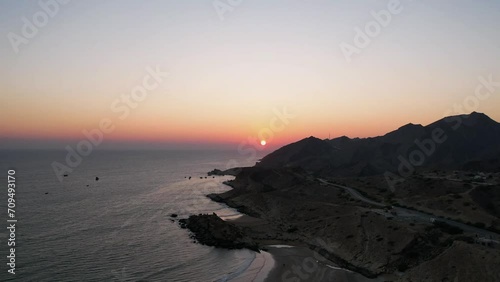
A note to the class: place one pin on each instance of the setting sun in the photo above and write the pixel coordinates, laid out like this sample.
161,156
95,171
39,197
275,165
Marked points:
263,142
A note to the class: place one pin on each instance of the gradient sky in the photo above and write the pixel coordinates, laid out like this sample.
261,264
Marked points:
227,76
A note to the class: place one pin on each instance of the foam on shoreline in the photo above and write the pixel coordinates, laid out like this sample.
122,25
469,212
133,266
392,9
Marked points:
302,264
258,270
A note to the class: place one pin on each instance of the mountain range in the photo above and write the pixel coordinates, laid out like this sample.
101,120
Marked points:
462,142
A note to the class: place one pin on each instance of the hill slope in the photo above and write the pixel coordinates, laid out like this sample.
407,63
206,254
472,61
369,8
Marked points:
455,142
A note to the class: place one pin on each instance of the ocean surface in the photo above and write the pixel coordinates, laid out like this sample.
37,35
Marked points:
117,228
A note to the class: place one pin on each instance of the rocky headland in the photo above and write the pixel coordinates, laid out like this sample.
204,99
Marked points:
292,207
211,230
440,223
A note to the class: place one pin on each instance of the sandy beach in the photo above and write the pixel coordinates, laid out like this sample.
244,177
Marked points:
302,264
280,261
292,263
259,270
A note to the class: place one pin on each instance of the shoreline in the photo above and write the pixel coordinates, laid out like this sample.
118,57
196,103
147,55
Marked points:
250,222
298,255
282,261
289,263
285,261
259,270
298,263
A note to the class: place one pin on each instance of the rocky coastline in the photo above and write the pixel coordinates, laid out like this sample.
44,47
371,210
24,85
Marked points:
211,230
293,208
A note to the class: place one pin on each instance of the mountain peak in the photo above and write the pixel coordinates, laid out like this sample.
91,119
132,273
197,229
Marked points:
310,140
476,118
408,131
481,116
410,126
472,119
474,113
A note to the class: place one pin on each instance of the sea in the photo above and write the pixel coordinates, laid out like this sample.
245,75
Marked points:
118,228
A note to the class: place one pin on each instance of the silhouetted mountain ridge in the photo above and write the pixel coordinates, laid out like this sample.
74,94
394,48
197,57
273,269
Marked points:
455,142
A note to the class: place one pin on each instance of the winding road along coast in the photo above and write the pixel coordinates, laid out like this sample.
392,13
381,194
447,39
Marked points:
407,214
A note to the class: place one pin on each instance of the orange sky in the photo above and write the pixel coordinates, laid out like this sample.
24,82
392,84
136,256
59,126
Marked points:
227,78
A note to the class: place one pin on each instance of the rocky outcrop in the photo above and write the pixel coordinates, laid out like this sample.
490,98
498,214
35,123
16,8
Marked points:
211,230
231,171
240,208
215,172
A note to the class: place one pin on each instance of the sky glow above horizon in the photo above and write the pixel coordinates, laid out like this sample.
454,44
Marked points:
230,80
